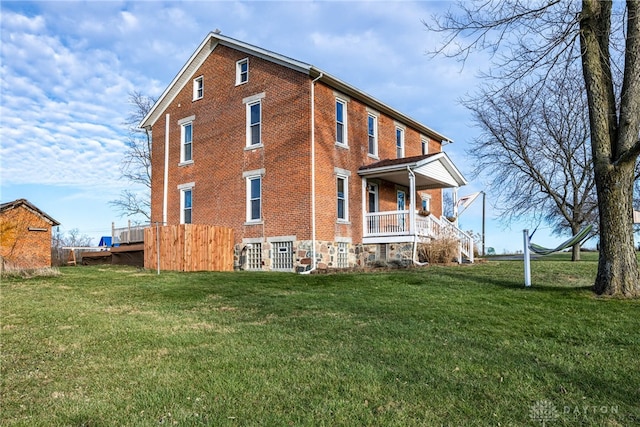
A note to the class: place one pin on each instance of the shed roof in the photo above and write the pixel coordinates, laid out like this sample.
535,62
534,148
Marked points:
24,202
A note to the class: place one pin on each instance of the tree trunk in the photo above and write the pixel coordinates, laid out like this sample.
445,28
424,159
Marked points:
614,172
575,252
617,264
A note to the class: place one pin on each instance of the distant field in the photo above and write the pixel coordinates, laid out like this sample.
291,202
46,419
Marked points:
450,345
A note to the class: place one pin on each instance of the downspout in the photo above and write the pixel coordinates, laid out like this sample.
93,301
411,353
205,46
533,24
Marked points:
412,217
314,261
166,170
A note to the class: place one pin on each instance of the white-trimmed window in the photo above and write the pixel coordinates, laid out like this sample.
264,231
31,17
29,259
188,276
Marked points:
186,203
426,202
254,123
254,198
186,139
341,122
372,131
425,145
399,142
342,194
372,190
198,88
242,71
254,120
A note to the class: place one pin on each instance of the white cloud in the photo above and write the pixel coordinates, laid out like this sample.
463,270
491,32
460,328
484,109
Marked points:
17,22
66,71
60,114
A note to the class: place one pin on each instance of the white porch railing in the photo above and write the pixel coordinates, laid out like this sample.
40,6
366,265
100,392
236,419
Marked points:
449,229
390,223
397,223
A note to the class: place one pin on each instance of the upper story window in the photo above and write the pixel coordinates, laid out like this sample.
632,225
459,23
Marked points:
254,123
242,71
341,122
198,88
399,142
372,131
254,120
425,145
186,139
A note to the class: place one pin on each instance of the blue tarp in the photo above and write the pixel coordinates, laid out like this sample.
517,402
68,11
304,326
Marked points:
105,241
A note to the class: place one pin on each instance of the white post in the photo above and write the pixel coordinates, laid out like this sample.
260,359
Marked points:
527,259
158,245
365,229
412,203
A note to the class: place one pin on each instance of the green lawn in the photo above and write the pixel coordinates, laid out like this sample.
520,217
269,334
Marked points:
451,345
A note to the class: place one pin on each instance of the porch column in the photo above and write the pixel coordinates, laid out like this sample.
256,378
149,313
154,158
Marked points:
412,203
365,230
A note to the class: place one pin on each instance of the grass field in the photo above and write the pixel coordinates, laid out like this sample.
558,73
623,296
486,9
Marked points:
450,345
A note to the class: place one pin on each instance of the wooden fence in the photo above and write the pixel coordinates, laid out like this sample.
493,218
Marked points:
189,247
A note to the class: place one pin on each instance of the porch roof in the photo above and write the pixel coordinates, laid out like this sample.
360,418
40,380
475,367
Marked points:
434,170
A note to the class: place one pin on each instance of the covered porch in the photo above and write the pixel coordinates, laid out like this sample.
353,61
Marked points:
406,223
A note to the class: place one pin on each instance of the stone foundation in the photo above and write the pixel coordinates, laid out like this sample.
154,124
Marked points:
329,255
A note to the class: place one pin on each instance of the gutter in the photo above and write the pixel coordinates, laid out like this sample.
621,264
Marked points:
165,191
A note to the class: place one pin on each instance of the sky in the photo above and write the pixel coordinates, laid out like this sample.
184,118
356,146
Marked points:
67,70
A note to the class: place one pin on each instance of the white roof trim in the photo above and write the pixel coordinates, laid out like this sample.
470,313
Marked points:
185,75
420,167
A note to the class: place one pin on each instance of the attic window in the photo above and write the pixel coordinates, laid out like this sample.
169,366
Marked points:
242,71
198,88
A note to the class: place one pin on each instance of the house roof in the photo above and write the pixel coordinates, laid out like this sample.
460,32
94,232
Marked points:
434,170
24,202
213,39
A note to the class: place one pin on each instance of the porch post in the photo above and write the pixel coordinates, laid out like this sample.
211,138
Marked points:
412,203
455,205
365,230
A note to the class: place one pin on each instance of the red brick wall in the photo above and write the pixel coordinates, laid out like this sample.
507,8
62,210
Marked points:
220,158
219,155
329,155
20,247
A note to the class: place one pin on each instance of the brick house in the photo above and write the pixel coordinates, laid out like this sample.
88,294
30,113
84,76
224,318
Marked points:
25,235
308,170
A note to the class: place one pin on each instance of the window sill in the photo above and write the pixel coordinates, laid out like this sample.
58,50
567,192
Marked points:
260,222
373,156
197,99
253,147
340,145
187,163
343,221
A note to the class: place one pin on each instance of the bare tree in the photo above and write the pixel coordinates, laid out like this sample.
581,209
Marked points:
534,148
530,39
136,165
71,238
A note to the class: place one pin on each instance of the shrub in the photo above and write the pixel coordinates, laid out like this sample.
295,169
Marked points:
441,251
